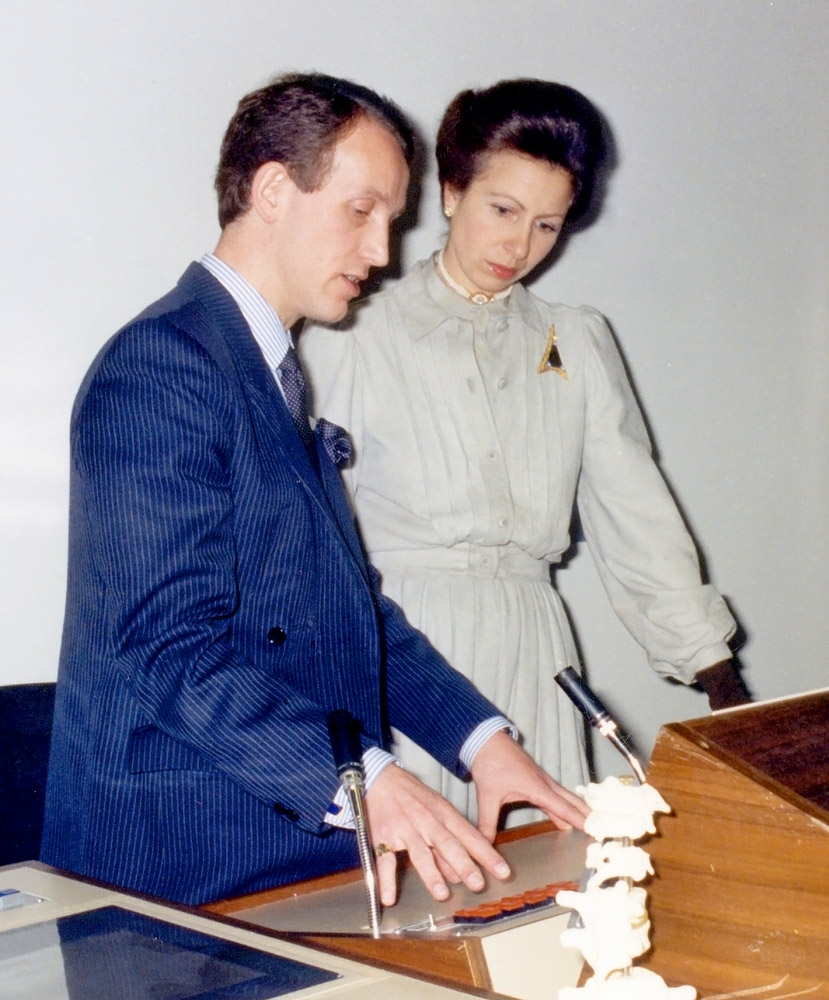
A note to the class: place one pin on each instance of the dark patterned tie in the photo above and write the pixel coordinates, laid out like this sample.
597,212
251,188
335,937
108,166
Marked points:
292,380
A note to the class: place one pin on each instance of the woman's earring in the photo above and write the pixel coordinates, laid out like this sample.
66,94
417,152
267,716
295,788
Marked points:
447,211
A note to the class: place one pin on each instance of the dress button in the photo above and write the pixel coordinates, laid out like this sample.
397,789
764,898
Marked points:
492,455
502,383
503,522
277,635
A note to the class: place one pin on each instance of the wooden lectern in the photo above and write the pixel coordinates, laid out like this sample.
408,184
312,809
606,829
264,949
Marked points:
740,899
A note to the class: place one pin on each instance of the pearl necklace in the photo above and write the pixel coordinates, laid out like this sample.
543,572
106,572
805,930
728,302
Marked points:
478,298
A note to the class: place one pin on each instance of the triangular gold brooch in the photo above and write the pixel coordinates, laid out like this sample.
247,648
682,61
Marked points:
551,359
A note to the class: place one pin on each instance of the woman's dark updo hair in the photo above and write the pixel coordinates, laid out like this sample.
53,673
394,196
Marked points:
548,121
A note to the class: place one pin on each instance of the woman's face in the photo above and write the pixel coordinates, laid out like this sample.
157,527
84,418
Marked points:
506,221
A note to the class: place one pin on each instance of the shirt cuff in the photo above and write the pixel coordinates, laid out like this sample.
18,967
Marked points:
375,760
484,731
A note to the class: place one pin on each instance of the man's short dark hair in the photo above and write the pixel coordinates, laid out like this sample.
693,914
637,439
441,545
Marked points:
297,119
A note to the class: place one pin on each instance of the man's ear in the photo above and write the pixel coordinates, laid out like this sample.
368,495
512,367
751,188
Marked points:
268,188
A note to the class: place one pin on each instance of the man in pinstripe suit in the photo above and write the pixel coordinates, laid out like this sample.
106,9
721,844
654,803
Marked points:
219,606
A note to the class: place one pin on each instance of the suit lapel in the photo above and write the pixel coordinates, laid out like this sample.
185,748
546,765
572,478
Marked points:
216,321
338,500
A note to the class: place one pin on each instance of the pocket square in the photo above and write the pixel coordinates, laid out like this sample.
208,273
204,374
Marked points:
336,442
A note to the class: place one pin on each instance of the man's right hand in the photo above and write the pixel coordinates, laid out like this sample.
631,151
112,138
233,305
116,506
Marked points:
406,815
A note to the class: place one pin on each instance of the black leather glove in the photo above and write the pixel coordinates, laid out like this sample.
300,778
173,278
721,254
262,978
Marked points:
723,685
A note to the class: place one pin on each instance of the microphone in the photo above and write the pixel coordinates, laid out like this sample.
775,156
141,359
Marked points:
587,702
344,734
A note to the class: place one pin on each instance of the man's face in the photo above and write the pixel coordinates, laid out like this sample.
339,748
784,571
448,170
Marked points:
326,241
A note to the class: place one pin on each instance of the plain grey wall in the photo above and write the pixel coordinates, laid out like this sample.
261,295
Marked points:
709,258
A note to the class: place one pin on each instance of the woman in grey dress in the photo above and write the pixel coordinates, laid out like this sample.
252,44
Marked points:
482,416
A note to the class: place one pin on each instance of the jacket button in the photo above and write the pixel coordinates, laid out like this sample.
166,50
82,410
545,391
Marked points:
286,811
277,635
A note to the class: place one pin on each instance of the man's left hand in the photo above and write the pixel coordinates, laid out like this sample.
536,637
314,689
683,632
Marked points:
504,773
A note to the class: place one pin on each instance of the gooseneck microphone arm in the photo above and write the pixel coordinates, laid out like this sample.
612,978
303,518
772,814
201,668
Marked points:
344,733
597,715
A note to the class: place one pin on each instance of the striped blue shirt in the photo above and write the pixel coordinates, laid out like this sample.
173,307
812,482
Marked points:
267,328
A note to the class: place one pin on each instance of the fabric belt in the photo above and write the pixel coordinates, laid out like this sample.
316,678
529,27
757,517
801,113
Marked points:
489,561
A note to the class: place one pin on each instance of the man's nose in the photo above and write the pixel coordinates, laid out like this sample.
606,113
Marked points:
376,246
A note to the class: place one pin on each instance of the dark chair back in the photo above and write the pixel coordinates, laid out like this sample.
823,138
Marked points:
25,732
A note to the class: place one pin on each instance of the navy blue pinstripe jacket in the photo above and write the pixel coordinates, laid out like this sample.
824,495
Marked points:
218,607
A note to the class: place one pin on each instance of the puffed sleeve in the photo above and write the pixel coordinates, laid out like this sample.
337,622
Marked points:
645,556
